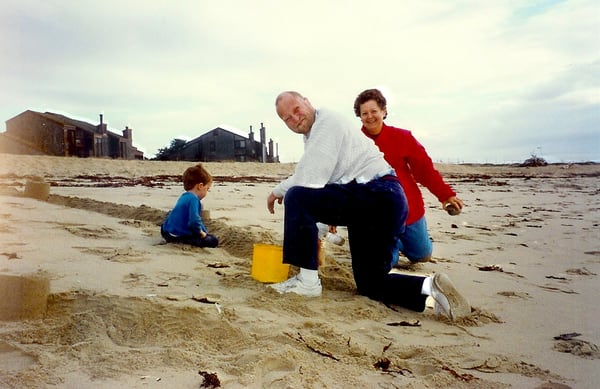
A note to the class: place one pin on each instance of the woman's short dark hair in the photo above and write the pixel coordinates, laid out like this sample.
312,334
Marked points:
370,94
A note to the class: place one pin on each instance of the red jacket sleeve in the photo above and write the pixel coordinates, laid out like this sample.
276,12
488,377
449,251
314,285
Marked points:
424,171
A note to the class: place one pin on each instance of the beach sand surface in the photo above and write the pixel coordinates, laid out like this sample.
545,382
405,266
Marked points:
120,308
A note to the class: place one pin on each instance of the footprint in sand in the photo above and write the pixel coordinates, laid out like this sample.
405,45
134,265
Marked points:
580,348
135,279
123,255
510,293
92,232
273,370
147,227
580,272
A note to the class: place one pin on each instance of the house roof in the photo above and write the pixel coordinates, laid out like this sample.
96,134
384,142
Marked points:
222,128
67,120
233,130
80,124
62,119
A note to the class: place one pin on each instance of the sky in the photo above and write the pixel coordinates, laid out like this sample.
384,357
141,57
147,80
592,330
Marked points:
475,81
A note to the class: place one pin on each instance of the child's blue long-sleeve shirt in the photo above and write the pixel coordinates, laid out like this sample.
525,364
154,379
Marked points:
185,219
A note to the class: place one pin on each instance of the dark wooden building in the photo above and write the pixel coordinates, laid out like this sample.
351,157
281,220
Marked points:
220,144
49,133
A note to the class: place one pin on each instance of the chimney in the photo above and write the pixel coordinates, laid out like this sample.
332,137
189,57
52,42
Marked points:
271,154
263,142
127,133
251,135
102,125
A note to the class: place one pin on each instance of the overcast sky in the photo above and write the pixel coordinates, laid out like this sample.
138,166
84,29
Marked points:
475,81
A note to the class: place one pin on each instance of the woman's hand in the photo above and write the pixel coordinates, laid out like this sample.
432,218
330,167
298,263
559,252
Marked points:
453,205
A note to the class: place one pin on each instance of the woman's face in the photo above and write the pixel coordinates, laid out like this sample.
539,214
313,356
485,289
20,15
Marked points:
371,116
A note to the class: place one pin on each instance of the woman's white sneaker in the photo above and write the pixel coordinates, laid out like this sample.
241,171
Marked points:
335,239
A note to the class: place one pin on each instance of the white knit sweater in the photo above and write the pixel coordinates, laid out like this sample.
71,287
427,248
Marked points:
335,152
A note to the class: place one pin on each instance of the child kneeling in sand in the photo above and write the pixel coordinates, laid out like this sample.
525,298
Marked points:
184,223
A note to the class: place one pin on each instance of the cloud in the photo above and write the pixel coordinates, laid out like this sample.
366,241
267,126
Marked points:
454,72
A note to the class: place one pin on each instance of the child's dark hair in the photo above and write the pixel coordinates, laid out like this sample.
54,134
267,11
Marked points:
196,175
370,94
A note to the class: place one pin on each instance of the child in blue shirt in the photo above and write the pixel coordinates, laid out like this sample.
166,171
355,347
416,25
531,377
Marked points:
184,223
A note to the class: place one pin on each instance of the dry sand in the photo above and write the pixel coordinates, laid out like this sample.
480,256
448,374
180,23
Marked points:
126,310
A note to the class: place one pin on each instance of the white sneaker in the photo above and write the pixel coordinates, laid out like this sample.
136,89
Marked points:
296,285
447,299
323,230
335,239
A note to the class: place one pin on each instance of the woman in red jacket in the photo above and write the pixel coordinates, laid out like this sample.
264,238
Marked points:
413,165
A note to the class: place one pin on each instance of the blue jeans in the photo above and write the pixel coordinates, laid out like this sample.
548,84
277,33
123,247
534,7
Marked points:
374,214
415,243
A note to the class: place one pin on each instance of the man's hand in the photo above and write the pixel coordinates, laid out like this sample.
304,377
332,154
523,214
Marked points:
271,202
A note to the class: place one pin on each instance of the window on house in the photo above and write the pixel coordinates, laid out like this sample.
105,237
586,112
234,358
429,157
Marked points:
212,146
240,144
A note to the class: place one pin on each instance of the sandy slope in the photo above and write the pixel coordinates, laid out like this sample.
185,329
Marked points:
126,310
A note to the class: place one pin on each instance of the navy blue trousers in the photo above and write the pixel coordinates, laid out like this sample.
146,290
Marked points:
375,215
194,240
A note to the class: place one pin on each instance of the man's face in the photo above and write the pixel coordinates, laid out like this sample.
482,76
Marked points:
297,113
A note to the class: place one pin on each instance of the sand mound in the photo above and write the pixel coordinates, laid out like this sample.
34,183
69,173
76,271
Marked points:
23,296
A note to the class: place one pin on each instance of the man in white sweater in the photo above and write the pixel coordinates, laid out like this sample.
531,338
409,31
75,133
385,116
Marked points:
342,179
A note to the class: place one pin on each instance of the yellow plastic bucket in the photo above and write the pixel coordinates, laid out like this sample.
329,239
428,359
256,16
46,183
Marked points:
267,263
